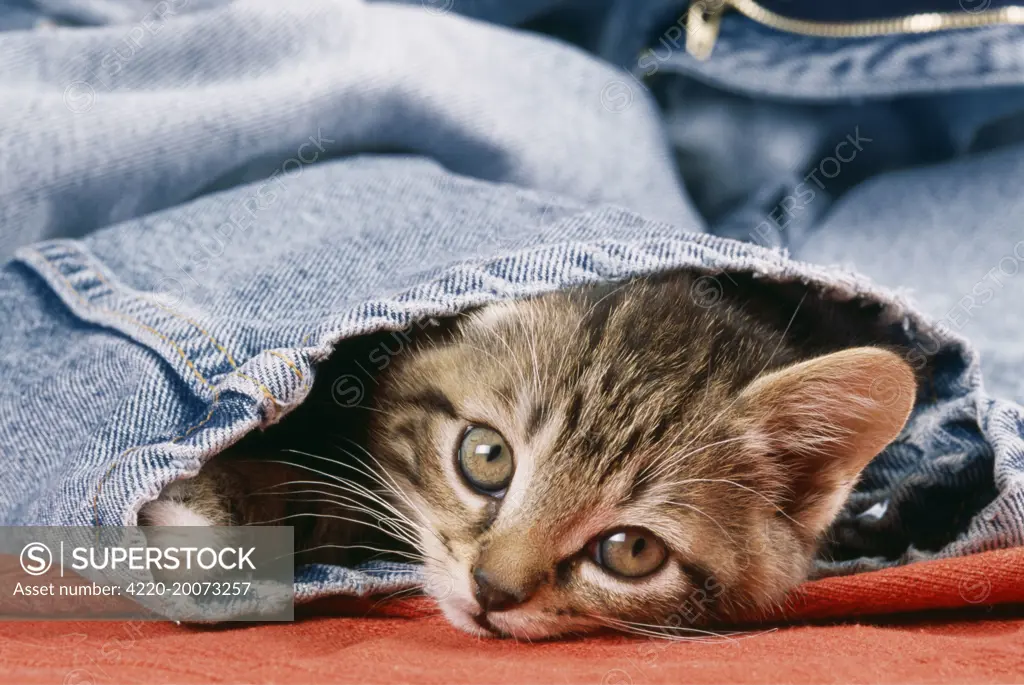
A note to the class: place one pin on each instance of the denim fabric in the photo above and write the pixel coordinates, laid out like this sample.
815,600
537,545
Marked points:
195,215
308,82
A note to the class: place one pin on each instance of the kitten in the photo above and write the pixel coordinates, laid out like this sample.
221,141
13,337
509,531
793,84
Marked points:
629,455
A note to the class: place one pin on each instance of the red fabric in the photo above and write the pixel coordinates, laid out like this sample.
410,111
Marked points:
408,642
979,580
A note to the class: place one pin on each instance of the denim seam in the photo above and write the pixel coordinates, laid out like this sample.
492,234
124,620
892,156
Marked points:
82,258
120,457
713,248
94,266
289,362
75,254
607,260
227,355
263,388
188,361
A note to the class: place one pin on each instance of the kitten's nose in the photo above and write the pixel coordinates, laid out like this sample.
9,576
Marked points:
493,597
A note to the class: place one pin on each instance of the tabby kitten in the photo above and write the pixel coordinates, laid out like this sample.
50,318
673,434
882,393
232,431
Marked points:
627,455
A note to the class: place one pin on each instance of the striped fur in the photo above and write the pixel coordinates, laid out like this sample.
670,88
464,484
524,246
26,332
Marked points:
732,427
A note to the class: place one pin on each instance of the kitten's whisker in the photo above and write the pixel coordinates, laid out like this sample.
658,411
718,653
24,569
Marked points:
329,403
366,408
344,481
340,498
733,636
656,626
662,631
390,484
326,516
629,630
396,489
348,486
366,471
270,489
402,533
405,533
369,472
344,486
388,506
738,485
408,555
393,595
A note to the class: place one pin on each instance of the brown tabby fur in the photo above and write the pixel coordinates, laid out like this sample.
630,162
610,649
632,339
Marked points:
730,427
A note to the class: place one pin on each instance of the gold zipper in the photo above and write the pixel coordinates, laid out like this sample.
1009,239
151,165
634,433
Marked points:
705,16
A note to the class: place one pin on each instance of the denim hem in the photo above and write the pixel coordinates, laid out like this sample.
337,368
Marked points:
250,393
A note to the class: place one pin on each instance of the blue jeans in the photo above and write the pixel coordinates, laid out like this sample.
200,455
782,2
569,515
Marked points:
200,199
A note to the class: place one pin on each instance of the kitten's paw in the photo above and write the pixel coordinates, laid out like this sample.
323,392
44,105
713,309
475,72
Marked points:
172,513
193,502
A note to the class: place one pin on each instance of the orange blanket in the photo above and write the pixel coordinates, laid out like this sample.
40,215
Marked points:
408,642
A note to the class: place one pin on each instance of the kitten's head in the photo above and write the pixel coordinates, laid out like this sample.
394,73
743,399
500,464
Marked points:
618,455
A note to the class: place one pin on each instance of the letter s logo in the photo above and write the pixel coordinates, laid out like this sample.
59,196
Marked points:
36,558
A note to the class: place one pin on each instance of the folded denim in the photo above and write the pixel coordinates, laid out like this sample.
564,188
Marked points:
194,220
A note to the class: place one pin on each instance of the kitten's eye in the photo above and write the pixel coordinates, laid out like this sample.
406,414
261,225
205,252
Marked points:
485,460
633,552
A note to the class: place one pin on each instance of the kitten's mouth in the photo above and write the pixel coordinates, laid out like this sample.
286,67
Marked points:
485,623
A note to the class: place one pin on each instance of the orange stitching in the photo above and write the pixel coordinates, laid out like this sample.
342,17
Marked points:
269,395
287,361
263,388
209,415
216,393
231,360
188,362
132,319
176,314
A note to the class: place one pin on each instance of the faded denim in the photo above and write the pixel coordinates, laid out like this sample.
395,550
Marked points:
191,220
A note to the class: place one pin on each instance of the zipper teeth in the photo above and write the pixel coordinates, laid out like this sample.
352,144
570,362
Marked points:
914,23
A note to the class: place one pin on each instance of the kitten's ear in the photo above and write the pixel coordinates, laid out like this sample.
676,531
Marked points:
825,419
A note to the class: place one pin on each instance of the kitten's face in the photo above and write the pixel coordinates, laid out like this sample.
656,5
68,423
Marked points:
622,456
